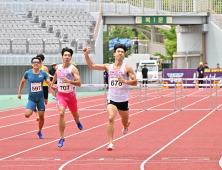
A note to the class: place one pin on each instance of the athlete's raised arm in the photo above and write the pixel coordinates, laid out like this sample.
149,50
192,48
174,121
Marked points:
91,64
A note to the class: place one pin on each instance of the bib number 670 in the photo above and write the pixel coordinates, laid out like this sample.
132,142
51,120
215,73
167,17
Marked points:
115,83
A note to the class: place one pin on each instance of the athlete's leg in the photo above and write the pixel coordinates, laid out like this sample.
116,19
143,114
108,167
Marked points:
46,94
29,107
72,104
112,111
41,111
76,116
53,93
37,115
46,101
28,113
125,118
62,105
61,121
41,120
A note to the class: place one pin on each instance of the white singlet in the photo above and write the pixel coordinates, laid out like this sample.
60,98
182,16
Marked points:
118,92
65,87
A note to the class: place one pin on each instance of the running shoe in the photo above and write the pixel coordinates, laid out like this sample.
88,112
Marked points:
61,143
79,125
125,131
110,147
37,119
40,135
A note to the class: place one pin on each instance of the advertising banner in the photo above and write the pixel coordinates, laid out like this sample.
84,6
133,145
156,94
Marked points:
176,75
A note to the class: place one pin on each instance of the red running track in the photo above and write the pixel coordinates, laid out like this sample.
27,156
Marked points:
156,139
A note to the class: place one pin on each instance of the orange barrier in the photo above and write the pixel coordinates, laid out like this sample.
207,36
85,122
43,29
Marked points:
216,82
166,87
197,87
50,91
179,82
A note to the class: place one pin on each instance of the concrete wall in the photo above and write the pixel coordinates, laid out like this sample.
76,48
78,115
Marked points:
213,45
189,41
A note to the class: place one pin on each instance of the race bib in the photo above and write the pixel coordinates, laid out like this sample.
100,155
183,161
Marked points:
36,87
64,87
114,82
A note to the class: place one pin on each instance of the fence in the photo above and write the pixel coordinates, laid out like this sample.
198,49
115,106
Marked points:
48,46
176,92
215,18
160,6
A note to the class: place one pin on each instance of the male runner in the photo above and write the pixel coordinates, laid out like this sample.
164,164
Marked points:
121,76
35,79
65,75
45,86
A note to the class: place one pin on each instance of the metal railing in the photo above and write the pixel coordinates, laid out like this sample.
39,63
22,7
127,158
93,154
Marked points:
215,18
160,6
126,6
176,93
27,45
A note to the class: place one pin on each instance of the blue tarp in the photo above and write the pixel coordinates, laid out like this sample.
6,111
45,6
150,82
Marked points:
125,41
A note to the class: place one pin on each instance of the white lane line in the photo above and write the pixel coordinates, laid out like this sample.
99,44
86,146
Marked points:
32,120
220,162
144,162
66,122
20,108
57,114
131,92
61,167
50,126
91,129
56,107
12,116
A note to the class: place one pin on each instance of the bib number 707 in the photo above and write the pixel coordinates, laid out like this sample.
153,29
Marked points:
65,87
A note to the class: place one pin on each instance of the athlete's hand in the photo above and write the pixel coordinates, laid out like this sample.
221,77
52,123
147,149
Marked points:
65,80
19,96
85,50
121,80
49,84
54,88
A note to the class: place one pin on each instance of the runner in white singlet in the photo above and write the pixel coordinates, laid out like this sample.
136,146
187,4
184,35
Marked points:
121,76
65,75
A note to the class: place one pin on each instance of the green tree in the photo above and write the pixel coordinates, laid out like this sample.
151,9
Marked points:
170,43
116,32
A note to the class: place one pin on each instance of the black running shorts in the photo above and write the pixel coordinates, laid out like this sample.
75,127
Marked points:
46,91
124,106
